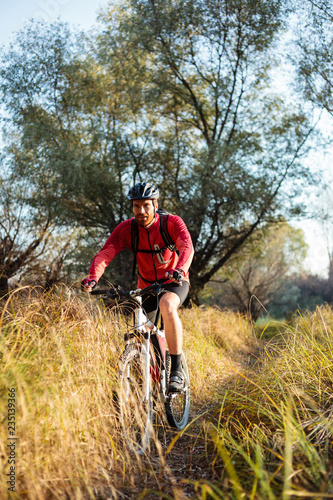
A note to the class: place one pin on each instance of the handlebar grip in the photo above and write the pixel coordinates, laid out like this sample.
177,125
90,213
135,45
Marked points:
111,294
99,292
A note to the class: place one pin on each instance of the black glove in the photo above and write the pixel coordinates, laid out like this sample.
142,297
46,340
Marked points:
176,275
87,282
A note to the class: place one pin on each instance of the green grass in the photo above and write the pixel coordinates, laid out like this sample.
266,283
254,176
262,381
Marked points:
267,327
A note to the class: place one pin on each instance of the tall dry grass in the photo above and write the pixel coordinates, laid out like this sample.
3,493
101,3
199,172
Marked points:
216,343
61,360
60,353
260,430
272,436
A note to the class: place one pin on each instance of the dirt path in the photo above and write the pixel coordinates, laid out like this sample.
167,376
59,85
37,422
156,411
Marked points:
188,461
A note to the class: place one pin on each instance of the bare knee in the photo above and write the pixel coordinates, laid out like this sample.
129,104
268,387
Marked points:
169,304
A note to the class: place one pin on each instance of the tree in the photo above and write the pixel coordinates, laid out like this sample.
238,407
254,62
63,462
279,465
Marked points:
251,281
23,237
226,149
68,129
313,58
173,92
61,124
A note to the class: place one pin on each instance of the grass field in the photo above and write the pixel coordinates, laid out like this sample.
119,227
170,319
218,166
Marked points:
261,411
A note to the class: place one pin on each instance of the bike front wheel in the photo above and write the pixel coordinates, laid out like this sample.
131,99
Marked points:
177,405
135,400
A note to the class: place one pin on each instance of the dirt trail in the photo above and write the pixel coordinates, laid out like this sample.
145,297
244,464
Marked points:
190,460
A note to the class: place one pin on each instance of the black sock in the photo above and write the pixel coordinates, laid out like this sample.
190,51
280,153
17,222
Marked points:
176,362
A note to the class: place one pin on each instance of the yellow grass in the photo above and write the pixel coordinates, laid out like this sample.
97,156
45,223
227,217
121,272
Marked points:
60,353
261,424
272,436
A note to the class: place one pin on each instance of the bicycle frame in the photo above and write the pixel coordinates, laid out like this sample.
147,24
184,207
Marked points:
146,329
151,351
143,364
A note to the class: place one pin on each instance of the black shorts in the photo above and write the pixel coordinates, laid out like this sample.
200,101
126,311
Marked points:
150,302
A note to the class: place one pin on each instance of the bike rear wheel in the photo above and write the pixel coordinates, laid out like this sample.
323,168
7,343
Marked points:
135,400
177,405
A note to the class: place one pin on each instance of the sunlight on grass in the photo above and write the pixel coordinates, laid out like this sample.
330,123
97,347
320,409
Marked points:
272,437
262,425
60,353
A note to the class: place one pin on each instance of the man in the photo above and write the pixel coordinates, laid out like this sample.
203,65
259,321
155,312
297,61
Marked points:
156,263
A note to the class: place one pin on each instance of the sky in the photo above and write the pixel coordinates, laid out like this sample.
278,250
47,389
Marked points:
82,13
77,12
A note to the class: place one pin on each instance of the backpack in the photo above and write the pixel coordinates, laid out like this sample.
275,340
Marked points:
169,243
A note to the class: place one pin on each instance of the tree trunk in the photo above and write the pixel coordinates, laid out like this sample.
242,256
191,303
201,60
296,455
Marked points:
330,268
3,286
193,296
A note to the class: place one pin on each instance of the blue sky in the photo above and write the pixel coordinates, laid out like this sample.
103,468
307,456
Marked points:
83,13
15,13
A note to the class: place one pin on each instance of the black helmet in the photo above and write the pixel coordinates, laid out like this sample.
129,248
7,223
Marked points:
143,191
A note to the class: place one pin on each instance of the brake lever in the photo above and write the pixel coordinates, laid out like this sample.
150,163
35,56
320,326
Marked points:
112,294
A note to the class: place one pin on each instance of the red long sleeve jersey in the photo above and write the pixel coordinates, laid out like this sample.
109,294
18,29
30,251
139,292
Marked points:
152,267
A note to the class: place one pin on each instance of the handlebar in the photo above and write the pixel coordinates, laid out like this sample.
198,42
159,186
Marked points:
115,292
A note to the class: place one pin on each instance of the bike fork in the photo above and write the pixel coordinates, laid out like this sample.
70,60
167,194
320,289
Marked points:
163,384
146,357
140,320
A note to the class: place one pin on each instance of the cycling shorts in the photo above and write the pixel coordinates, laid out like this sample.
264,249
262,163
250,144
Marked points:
150,302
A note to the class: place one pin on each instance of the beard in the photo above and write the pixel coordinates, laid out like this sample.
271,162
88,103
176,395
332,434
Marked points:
145,220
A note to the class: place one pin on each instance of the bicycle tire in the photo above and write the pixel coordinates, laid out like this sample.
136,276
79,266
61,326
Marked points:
135,410
177,405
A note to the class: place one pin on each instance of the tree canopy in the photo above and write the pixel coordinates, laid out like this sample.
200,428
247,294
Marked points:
314,50
174,92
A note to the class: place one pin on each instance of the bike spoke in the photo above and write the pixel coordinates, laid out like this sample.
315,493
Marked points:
135,404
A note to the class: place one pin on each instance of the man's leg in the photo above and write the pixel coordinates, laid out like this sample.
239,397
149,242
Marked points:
169,304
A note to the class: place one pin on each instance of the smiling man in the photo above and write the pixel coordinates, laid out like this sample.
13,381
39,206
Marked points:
164,252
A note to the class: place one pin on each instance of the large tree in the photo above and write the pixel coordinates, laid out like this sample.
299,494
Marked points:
71,128
226,150
63,126
175,92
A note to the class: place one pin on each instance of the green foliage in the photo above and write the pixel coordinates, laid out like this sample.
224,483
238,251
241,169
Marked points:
314,50
66,140
174,92
224,148
253,279
311,291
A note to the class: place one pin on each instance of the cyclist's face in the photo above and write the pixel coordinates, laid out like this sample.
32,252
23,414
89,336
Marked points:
144,211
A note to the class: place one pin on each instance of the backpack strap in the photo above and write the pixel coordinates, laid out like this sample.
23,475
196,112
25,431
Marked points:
169,243
134,244
135,240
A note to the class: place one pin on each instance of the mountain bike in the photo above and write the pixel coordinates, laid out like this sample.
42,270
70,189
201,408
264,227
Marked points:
144,371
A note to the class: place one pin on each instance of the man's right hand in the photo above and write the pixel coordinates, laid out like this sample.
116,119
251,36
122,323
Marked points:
87,285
